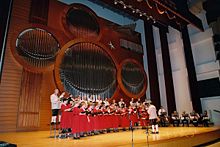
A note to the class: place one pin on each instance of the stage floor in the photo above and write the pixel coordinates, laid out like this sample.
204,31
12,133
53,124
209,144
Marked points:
168,136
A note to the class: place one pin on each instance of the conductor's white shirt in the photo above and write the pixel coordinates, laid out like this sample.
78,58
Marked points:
152,112
55,102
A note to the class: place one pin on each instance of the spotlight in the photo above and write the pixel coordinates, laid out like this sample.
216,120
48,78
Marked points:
151,17
140,14
154,21
137,10
133,11
115,2
129,6
148,18
125,7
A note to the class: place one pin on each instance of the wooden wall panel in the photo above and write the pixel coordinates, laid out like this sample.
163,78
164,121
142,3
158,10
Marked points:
28,111
48,84
37,16
12,71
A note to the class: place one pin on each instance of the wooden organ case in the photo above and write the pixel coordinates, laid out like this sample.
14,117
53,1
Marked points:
52,44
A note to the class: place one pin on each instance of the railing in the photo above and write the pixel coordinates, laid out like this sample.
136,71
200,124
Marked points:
216,111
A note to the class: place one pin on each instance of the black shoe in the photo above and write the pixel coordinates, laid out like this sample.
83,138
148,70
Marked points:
152,132
52,123
157,132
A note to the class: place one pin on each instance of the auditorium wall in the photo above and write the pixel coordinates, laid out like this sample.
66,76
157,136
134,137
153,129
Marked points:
24,95
11,76
202,48
14,77
121,20
207,68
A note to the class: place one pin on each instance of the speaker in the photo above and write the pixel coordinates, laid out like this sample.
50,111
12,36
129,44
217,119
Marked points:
6,144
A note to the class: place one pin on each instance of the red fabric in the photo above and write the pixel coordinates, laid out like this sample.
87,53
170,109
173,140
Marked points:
79,122
134,118
124,118
65,117
76,120
95,119
83,123
144,121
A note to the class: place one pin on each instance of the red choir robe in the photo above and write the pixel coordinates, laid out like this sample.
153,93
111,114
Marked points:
65,117
83,121
144,119
133,116
124,118
95,119
76,120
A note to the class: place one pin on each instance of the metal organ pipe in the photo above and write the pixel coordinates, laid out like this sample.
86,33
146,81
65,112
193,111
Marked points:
94,69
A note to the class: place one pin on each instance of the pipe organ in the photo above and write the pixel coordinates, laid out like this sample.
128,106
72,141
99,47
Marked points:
87,54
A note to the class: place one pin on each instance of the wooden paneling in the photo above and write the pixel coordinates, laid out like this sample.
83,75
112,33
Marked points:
12,71
37,16
48,84
28,112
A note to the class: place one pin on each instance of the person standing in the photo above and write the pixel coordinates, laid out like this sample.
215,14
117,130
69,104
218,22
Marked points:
55,105
152,111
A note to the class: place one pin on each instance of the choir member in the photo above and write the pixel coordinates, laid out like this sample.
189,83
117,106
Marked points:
162,115
95,113
143,116
76,119
132,116
106,103
152,111
194,118
185,118
124,117
99,100
121,103
132,103
113,104
65,119
138,103
205,119
116,121
175,119
55,105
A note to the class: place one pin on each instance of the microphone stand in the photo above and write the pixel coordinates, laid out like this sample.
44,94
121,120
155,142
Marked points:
147,132
132,138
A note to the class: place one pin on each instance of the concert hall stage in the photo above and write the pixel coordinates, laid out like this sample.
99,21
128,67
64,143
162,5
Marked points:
169,136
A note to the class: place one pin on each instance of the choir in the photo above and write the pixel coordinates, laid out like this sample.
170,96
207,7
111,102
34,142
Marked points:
92,115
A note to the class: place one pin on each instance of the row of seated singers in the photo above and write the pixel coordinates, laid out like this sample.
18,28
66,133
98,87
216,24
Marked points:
83,117
185,118
193,118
